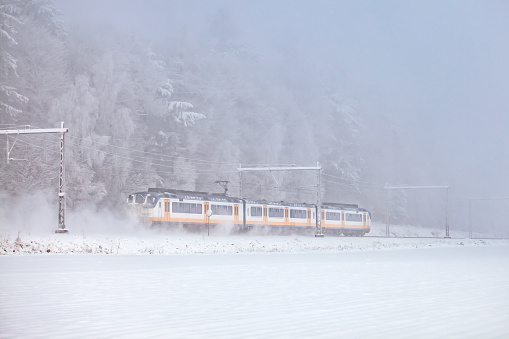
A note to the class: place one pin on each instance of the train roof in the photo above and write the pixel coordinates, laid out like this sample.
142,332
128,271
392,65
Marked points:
278,203
193,195
221,197
335,205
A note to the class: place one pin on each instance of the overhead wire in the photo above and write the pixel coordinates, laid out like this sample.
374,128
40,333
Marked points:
351,179
150,153
179,157
144,160
156,162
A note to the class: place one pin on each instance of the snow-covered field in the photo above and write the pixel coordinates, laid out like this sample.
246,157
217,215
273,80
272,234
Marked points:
142,241
181,285
453,292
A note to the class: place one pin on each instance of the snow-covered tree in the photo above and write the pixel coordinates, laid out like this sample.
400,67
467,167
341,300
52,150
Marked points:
341,151
79,108
11,100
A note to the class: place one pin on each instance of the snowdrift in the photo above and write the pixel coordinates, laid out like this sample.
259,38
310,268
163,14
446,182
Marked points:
178,242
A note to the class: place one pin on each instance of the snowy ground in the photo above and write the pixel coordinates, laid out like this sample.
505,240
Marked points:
180,285
453,292
142,241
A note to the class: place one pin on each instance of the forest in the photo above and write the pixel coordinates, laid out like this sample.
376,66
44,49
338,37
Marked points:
183,114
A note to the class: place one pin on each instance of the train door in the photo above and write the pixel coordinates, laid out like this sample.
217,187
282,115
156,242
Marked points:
167,210
206,218
265,221
323,218
236,214
364,219
309,217
286,216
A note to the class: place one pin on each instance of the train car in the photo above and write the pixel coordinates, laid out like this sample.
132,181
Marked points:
187,208
279,215
347,219
196,209
302,216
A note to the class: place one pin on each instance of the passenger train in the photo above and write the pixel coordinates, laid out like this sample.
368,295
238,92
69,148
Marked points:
196,209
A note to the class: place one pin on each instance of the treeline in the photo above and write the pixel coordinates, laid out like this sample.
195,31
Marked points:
182,115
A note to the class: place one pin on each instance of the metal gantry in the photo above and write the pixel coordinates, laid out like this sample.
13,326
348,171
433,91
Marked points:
446,187
318,167
61,178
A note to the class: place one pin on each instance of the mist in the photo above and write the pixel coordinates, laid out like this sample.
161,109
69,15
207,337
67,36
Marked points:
398,93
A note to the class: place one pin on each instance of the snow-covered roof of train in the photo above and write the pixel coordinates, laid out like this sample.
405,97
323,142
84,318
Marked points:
193,195
220,197
345,207
280,203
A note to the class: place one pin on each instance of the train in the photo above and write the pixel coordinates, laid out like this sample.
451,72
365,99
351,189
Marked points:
193,210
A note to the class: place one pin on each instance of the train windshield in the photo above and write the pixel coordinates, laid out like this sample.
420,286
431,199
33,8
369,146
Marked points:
140,199
150,199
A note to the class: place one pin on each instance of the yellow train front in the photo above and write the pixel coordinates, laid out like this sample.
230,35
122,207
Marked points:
189,209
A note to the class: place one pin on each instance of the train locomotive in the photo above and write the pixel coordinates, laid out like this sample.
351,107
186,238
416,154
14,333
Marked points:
196,209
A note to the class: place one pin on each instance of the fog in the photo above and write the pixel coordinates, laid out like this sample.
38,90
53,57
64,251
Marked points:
432,75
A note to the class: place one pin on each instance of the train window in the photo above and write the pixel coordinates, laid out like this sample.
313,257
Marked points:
333,216
256,211
221,209
353,217
183,207
140,199
130,199
298,214
276,212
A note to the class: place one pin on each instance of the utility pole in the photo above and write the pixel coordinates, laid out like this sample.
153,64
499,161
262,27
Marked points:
61,186
240,181
61,179
318,167
319,229
387,212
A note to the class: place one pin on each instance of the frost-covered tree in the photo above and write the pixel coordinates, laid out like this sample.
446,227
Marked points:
32,67
341,149
79,108
397,206
44,15
11,100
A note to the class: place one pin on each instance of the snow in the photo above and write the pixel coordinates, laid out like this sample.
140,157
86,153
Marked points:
142,241
178,285
435,292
